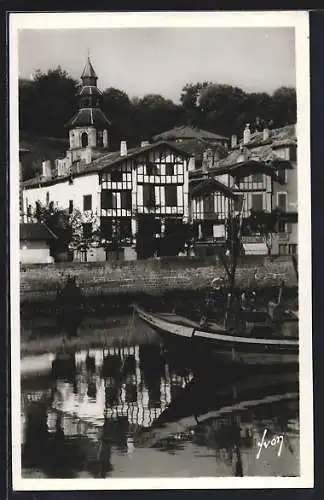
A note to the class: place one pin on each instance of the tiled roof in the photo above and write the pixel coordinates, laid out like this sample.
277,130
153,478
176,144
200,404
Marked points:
277,137
36,232
185,132
88,116
88,70
105,161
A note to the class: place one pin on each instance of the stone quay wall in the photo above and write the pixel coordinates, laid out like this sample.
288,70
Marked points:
153,276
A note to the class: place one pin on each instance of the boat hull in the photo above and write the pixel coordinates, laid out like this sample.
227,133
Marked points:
222,346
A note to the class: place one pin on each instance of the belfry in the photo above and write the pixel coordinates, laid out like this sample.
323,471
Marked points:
88,128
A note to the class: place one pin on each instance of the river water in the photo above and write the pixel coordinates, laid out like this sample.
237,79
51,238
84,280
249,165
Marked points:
139,411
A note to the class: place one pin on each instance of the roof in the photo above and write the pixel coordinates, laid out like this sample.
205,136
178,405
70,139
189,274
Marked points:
88,70
88,116
279,137
36,231
210,185
23,150
89,90
186,132
105,162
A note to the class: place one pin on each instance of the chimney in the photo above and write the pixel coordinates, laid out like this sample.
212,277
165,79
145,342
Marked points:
46,169
144,144
246,134
233,141
123,148
266,134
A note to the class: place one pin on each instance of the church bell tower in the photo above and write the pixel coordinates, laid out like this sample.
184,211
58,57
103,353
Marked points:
88,128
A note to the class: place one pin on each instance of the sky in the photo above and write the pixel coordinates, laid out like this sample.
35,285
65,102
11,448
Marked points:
162,60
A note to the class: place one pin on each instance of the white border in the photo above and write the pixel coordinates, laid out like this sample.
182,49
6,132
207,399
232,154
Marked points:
298,20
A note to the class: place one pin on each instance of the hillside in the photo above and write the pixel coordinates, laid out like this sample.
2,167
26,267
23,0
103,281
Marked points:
42,148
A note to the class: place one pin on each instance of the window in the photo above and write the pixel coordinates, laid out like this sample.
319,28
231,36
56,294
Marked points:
47,198
125,229
106,228
257,202
293,153
292,249
282,201
209,204
87,202
87,230
171,198
283,249
100,138
169,169
149,195
257,177
207,229
84,139
238,203
281,174
126,199
151,169
116,176
108,199
70,206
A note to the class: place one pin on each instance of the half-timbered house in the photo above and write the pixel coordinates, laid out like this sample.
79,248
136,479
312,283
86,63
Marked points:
262,173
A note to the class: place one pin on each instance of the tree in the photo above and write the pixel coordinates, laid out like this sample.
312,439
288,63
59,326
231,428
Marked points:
220,105
284,106
48,102
119,110
262,223
189,99
58,221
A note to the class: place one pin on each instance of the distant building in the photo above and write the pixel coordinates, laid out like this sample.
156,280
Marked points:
35,239
116,191
262,172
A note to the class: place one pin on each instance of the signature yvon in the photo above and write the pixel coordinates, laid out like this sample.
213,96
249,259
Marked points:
275,441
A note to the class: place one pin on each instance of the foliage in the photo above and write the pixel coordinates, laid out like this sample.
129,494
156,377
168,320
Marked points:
49,101
262,223
58,221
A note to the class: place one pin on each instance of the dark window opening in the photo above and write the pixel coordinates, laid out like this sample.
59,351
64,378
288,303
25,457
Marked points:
100,138
126,199
125,229
257,202
106,228
282,202
292,249
108,199
70,206
116,176
293,153
151,169
47,198
209,204
207,230
171,198
281,174
87,230
283,249
281,226
169,169
238,202
84,139
87,202
149,195
257,177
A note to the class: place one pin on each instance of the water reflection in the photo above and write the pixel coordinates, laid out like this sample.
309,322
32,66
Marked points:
137,401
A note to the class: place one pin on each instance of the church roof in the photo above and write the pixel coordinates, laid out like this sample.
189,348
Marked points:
86,117
88,70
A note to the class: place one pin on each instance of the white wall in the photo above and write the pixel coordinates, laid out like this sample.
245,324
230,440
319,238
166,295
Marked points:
62,192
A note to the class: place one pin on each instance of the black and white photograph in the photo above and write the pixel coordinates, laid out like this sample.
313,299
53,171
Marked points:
160,254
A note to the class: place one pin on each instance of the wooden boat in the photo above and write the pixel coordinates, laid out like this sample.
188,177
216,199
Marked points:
222,343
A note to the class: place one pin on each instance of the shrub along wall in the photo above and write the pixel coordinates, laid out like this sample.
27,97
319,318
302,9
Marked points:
40,281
